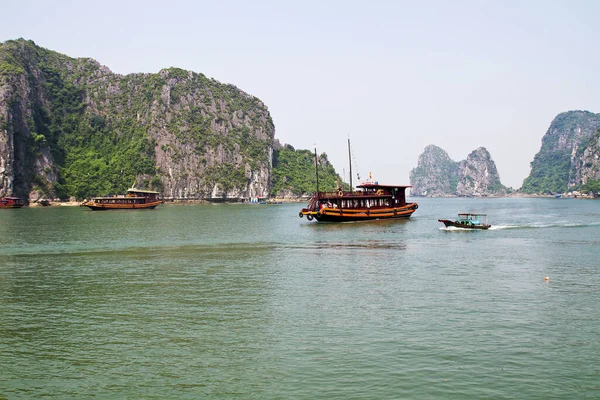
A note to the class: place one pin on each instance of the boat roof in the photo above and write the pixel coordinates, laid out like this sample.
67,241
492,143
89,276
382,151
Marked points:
133,190
472,213
378,186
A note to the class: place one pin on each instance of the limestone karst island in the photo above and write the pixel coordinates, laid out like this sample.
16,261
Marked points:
567,163
72,129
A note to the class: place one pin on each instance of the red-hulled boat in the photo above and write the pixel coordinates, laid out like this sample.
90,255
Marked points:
11,202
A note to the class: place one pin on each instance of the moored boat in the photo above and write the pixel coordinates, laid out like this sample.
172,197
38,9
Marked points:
135,199
468,221
11,202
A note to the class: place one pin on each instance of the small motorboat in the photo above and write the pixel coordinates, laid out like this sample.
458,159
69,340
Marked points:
468,221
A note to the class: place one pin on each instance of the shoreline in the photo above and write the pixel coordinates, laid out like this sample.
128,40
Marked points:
290,200
181,201
508,196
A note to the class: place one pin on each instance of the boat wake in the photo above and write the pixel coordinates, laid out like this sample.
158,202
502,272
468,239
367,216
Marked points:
456,229
540,226
500,227
527,226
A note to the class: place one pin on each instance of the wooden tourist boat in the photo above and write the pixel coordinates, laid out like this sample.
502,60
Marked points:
372,201
134,199
11,202
468,221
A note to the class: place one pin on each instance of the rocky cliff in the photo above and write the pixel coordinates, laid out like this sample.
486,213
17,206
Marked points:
478,175
568,157
438,175
587,166
71,127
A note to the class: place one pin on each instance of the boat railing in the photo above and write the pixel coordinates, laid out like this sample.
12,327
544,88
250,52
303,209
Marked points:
345,193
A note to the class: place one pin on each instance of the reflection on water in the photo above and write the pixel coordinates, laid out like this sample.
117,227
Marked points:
373,244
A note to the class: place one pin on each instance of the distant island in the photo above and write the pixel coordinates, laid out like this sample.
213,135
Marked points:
436,175
568,163
569,159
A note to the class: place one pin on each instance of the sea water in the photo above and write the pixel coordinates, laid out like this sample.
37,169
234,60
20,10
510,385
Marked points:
252,302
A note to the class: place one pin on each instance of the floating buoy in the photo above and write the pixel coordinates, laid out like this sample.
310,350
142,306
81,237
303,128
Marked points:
546,279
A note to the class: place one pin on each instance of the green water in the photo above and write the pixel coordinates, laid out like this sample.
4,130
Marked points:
252,302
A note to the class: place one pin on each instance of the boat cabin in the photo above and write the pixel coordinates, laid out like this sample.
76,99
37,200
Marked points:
133,196
369,196
396,194
472,219
120,200
371,201
11,202
146,194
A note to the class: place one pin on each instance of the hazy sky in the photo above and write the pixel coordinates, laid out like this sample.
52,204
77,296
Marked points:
394,76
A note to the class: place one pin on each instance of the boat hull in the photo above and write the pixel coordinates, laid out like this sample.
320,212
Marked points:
457,224
371,202
100,207
329,214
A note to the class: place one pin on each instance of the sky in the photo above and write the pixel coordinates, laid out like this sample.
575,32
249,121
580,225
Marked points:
392,76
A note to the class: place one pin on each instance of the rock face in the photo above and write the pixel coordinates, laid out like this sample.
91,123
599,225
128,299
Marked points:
478,175
587,165
71,127
568,157
437,175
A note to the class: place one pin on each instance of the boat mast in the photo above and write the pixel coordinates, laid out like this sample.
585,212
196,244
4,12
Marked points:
317,171
350,160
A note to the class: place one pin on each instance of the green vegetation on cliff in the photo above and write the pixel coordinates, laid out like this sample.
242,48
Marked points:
294,171
93,154
555,168
103,159
591,186
549,173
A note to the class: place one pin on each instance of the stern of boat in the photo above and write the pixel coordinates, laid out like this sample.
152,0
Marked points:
310,214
